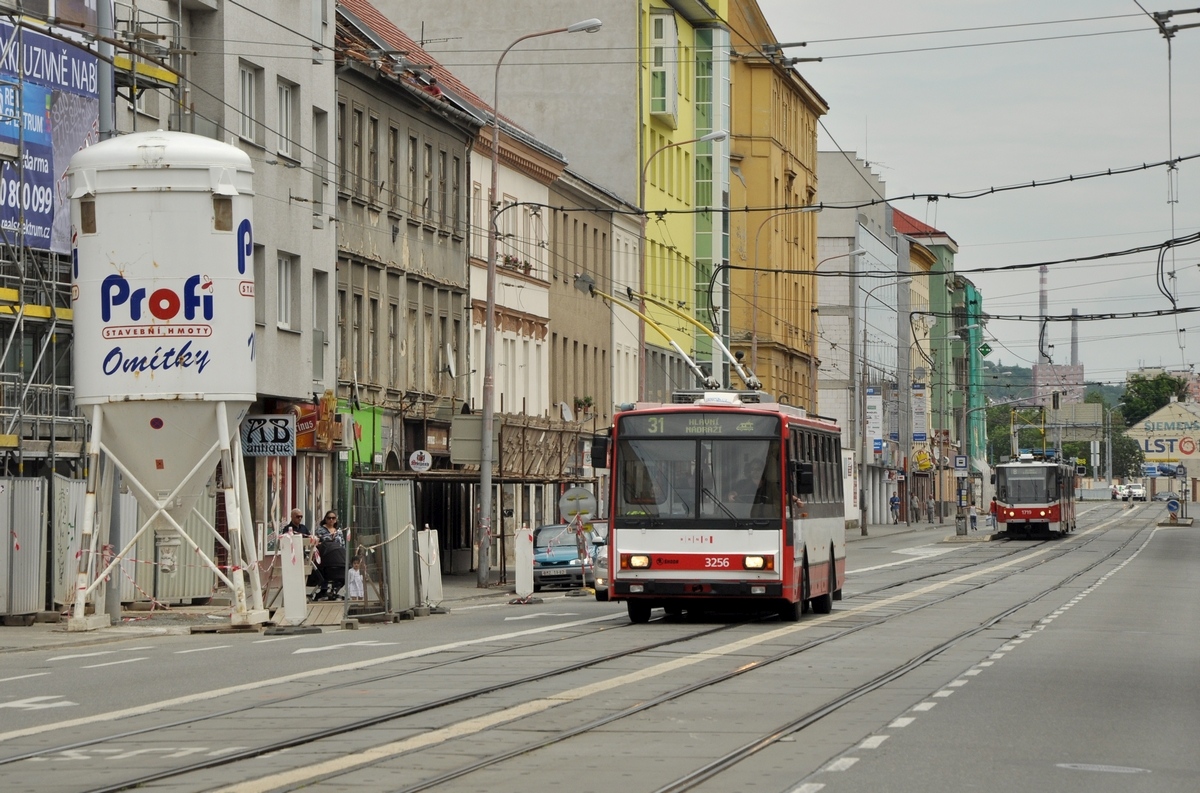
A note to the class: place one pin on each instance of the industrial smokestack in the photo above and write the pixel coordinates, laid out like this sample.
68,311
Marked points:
1042,310
1074,337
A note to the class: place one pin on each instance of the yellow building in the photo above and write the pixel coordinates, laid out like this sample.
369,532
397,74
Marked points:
684,79
773,158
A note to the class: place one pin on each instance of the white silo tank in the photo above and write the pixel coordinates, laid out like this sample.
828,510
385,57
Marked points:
164,317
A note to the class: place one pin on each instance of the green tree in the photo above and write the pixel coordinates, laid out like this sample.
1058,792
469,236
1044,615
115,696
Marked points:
1127,456
1145,395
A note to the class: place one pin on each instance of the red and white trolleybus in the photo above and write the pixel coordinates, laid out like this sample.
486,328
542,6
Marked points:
1035,494
729,500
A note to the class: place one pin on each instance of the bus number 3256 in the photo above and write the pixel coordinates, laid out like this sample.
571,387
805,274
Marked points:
716,561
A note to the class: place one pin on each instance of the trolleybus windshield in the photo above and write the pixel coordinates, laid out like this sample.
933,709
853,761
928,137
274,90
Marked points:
720,481
1034,484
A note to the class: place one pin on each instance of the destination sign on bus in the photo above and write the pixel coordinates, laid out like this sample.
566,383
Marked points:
697,424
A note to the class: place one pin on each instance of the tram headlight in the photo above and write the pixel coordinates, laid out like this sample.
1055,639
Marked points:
758,562
634,561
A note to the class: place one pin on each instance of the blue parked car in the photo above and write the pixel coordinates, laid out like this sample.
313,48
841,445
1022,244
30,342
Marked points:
556,558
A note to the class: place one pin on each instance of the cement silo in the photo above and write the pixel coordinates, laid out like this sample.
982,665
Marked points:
164,335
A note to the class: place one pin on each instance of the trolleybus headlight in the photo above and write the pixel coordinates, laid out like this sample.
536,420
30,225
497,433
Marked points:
758,590
758,562
634,561
1042,513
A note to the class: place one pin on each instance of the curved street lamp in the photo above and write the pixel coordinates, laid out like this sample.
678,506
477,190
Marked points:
712,137
483,529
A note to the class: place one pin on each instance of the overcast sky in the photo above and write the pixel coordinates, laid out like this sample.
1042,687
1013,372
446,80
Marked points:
955,113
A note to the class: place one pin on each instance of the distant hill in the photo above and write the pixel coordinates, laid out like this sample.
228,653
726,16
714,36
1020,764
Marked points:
1002,382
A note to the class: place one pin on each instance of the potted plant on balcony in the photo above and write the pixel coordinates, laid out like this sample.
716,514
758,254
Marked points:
584,405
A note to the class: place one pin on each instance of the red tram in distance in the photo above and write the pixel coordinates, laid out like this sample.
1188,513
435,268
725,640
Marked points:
1035,494
726,500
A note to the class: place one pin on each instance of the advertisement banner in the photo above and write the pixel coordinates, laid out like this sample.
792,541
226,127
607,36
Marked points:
874,418
920,426
48,110
269,436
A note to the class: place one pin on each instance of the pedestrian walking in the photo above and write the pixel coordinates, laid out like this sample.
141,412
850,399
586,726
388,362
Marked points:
929,508
992,514
895,502
974,515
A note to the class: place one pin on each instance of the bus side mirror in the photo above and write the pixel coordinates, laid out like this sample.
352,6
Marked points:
802,473
600,451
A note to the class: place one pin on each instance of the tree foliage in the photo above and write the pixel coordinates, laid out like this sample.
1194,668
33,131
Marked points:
1145,395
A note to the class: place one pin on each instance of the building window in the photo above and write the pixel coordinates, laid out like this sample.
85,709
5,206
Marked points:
356,348
456,200
427,198
249,102
442,193
412,175
373,340
343,181
393,153
285,125
356,152
393,345
664,66
287,291
373,158
260,280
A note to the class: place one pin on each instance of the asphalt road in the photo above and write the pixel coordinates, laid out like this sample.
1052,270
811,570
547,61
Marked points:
1015,665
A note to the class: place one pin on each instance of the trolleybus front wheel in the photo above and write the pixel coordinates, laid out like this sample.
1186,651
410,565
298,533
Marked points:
639,611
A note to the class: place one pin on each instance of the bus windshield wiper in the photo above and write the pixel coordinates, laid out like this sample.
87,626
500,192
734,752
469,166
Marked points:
718,502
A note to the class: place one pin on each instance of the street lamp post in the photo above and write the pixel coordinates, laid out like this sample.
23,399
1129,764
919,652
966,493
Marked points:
711,137
812,375
1108,437
862,463
483,529
754,299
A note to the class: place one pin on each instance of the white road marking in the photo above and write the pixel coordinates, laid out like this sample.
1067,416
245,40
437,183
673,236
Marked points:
924,706
841,764
972,672
114,663
276,639
996,656
945,692
203,649
80,655
986,663
38,703
476,725
903,721
540,614
917,553
22,677
874,742
809,787
328,647
957,683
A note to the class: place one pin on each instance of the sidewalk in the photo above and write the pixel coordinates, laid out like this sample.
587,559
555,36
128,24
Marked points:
457,590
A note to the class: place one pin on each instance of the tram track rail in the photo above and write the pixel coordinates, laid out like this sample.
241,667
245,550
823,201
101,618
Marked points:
401,713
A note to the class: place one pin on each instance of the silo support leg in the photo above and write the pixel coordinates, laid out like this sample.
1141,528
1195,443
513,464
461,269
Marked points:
240,551
80,620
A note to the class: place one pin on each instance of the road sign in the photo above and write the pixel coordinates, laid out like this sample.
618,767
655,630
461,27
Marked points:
960,462
984,349
1180,472
1172,505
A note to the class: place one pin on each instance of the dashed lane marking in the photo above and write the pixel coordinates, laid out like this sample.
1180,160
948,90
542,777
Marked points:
114,663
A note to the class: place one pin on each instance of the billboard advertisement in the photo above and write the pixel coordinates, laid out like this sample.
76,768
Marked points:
48,111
